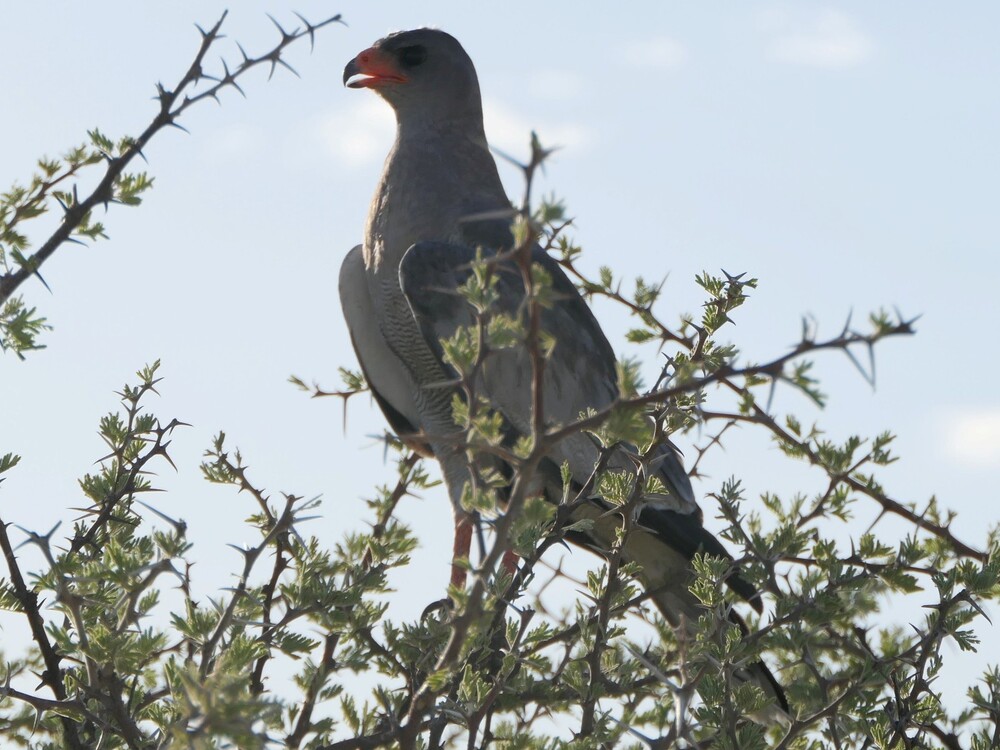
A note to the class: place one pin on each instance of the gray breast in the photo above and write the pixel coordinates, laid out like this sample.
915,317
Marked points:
425,192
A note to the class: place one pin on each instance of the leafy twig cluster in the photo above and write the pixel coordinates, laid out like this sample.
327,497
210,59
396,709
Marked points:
56,185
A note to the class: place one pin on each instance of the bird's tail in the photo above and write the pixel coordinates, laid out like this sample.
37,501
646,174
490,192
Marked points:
666,574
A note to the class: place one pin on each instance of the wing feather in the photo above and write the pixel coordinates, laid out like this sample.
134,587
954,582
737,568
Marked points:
580,373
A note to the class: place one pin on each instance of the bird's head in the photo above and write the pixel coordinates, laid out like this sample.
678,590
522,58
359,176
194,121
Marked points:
424,74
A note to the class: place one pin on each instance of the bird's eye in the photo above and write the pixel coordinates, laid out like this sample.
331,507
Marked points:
411,57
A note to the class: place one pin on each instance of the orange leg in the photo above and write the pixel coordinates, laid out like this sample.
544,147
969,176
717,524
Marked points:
462,548
509,562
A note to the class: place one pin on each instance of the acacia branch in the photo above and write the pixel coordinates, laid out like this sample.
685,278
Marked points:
173,103
761,417
28,599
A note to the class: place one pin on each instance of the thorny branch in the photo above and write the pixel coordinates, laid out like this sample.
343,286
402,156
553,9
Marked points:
53,675
173,102
543,439
129,460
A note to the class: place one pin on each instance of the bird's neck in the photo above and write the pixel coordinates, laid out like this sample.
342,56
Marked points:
429,124
432,179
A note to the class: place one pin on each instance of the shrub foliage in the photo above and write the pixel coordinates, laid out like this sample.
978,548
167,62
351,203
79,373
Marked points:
123,655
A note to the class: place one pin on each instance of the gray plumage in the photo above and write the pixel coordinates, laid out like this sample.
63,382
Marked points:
396,288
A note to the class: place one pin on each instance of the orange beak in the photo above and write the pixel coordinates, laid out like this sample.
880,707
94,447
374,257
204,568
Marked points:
375,67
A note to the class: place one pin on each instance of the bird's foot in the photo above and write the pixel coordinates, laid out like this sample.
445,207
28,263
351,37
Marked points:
445,606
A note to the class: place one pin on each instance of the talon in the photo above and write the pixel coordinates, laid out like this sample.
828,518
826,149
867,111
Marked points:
441,605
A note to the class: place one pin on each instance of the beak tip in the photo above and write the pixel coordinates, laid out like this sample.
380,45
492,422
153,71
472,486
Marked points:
350,70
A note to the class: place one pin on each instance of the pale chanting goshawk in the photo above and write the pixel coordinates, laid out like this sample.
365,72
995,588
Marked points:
439,200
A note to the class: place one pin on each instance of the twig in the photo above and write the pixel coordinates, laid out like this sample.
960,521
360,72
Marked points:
28,599
173,103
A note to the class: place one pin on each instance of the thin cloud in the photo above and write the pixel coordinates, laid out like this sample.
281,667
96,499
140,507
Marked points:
972,439
359,133
658,53
554,84
236,141
510,131
824,39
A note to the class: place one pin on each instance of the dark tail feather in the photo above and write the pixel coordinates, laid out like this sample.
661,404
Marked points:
663,543
764,678
666,573
684,533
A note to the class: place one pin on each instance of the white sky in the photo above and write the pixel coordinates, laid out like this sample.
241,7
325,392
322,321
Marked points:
847,155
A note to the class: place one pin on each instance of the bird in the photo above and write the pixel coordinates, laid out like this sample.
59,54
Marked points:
439,203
